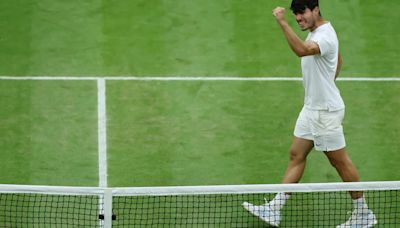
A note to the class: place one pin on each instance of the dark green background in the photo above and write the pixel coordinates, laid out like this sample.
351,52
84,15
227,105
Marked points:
192,132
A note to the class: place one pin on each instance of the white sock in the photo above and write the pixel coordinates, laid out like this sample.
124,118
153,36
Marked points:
279,201
360,204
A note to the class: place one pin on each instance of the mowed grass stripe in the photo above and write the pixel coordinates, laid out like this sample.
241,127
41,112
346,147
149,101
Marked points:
200,133
16,36
188,38
66,38
390,105
48,133
190,133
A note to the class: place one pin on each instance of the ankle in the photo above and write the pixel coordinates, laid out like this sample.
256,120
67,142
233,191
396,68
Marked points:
279,201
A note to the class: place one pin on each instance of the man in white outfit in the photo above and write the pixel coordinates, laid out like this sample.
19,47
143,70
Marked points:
319,124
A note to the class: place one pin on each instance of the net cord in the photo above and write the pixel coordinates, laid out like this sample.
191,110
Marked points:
203,190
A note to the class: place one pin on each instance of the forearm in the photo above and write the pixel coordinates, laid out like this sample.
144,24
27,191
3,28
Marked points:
299,47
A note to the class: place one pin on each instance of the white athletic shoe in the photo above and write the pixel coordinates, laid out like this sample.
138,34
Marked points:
360,220
264,212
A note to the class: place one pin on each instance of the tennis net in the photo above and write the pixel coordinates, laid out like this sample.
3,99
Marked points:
310,205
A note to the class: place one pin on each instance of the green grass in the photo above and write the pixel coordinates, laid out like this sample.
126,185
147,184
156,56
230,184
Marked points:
176,132
184,38
48,133
172,124
371,125
184,133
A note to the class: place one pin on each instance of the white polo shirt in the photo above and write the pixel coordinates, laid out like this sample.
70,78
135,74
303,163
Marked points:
319,71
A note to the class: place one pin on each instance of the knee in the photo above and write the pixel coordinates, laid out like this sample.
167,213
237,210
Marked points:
297,156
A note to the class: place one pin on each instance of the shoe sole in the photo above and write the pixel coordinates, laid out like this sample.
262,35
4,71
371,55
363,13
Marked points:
367,226
371,225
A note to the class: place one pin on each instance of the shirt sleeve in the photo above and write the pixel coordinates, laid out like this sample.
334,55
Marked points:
325,44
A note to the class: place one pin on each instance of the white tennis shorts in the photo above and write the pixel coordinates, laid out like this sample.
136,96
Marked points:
323,127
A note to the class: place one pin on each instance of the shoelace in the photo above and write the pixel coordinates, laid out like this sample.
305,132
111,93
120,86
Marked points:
268,204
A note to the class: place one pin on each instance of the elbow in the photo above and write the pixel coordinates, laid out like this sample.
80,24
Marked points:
301,53
306,50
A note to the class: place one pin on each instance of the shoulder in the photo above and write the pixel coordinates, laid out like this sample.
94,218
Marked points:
326,31
326,38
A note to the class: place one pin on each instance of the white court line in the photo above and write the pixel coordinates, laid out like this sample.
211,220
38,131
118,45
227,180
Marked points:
102,132
185,78
102,144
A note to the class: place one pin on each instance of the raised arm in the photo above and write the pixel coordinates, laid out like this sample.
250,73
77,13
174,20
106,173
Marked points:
300,48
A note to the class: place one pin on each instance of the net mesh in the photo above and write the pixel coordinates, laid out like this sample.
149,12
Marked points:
196,207
42,210
316,209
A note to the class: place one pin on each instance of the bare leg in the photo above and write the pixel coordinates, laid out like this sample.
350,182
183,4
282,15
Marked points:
299,150
345,168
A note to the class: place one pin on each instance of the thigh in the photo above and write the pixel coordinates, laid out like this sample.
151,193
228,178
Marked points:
338,156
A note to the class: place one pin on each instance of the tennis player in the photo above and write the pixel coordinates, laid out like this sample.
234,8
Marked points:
319,124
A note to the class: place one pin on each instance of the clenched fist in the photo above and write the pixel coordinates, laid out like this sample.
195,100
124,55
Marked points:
279,13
